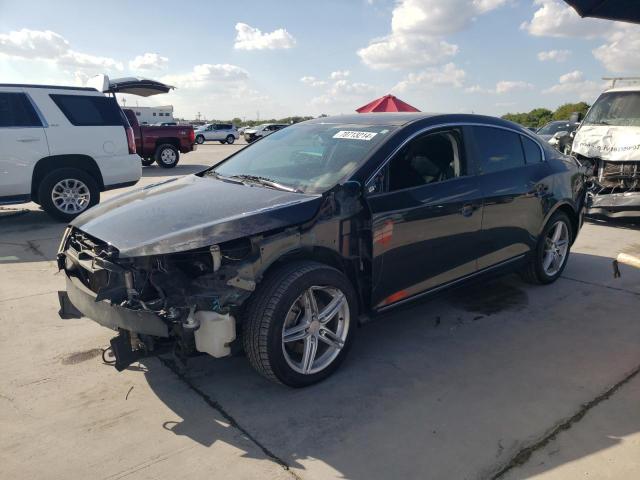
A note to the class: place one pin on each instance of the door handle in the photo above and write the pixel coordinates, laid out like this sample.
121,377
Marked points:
28,139
467,210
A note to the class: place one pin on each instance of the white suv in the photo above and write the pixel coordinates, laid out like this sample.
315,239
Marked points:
61,146
222,132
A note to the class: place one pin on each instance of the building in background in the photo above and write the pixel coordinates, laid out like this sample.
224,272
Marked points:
151,115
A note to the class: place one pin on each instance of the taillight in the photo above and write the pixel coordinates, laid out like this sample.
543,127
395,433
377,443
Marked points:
192,136
131,140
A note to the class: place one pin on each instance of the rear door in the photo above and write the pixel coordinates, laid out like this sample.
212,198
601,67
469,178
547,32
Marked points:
515,182
23,142
426,217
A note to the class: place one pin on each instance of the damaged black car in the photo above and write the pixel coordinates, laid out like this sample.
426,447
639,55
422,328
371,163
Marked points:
285,247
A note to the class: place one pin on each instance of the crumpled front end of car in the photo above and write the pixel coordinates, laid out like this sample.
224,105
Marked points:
157,300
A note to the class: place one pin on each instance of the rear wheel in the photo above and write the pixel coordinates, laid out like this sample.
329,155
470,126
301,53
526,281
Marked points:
147,161
230,139
299,324
167,155
552,252
66,193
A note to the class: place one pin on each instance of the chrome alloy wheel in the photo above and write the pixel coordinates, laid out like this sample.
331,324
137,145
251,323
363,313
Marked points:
556,247
315,329
168,156
70,195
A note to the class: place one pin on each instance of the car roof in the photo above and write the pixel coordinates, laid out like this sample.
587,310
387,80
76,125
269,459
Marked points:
401,118
51,87
628,88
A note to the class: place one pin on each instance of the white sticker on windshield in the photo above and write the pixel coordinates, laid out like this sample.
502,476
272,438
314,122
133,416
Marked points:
355,135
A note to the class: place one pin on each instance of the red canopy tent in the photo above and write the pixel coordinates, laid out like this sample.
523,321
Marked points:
388,103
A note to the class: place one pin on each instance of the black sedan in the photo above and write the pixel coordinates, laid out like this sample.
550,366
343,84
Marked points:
282,247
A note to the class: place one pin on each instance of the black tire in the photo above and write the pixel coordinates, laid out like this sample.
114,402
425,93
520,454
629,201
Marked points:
265,314
230,139
200,139
148,161
534,271
222,141
48,183
167,156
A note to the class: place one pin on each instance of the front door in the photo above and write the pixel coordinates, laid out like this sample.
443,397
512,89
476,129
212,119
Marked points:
426,218
516,184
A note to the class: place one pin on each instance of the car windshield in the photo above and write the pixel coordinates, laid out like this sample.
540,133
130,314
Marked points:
310,158
552,128
615,108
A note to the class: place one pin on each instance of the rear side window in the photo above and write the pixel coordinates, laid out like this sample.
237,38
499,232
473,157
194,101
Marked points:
16,111
532,153
497,149
88,110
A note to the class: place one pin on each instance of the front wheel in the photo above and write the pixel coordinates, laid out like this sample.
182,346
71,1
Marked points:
550,257
167,155
230,139
299,323
66,193
200,139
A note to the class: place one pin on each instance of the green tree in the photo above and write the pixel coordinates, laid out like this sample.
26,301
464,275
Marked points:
563,112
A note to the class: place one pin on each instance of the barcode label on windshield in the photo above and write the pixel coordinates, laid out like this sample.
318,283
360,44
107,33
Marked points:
355,135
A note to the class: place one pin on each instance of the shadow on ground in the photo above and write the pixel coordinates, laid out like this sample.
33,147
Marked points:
455,386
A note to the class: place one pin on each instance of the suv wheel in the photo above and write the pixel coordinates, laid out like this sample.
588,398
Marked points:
200,139
66,193
300,323
147,161
230,139
552,252
167,155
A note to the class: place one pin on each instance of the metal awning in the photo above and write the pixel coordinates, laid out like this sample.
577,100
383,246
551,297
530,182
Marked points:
622,10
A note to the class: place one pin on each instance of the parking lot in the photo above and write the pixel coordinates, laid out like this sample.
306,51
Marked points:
499,380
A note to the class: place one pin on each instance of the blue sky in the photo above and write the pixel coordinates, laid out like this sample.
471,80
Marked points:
290,57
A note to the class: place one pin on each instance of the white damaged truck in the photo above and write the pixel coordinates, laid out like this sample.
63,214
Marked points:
608,141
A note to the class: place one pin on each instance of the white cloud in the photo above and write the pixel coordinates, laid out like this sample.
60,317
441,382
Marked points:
620,54
339,74
574,84
417,27
250,38
501,87
206,74
406,51
506,86
554,56
554,18
51,46
344,92
446,75
312,81
149,61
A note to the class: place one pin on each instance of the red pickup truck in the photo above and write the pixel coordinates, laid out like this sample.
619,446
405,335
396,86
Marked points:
162,145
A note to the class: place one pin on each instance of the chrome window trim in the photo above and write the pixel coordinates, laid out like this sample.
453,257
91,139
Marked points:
43,122
445,125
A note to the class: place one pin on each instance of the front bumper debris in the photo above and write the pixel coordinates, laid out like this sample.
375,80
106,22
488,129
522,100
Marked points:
83,300
624,204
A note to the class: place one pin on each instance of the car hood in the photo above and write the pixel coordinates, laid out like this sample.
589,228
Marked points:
192,212
250,130
611,143
546,137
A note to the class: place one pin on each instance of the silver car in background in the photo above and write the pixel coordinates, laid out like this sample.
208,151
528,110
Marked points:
221,132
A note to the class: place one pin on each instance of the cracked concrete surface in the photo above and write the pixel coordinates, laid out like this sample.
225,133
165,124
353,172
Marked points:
455,387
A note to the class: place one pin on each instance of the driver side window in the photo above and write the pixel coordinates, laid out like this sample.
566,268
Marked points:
430,158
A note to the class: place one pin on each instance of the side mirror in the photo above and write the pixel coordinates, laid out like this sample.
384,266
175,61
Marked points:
352,188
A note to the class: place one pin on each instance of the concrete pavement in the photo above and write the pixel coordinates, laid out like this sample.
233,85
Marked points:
457,387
